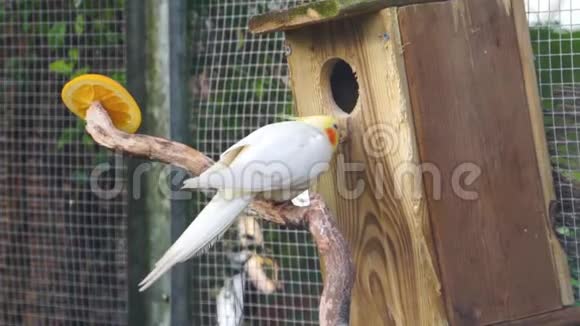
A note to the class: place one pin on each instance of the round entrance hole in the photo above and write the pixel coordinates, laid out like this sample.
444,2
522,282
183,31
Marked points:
342,84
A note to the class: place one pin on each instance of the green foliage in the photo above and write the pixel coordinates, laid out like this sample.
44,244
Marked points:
557,58
249,78
565,231
120,77
56,35
64,38
73,54
557,54
67,66
79,24
259,88
70,135
61,67
241,37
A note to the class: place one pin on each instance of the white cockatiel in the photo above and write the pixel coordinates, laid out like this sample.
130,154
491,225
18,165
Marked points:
277,161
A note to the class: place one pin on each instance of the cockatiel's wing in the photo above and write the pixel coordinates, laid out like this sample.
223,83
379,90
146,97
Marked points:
278,156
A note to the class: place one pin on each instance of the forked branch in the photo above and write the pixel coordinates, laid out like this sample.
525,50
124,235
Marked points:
316,218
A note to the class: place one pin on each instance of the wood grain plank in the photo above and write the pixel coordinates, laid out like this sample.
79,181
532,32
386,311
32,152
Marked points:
563,317
387,223
543,156
320,11
469,103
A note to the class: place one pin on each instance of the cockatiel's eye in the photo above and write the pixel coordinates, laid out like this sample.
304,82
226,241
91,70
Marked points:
335,126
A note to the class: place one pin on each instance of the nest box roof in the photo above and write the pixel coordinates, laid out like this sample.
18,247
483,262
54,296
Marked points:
320,12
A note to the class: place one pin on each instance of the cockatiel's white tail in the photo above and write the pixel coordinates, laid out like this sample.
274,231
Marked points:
211,223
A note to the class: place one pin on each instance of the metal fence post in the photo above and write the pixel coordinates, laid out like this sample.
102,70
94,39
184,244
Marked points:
180,116
156,40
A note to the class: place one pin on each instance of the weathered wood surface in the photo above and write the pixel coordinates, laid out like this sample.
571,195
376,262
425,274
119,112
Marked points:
387,224
469,104
320,11
543,156
563,317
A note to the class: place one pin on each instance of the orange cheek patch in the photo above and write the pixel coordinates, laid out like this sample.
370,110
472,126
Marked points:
331,133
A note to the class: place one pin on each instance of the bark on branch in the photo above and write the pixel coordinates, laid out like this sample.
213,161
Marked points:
316,218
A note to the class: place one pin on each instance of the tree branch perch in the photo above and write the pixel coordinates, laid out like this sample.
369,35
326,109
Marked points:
317,218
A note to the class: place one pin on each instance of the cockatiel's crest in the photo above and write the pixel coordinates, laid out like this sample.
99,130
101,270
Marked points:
324,122
278,161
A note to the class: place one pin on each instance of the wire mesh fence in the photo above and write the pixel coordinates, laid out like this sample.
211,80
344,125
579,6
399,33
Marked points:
240,83
63,250
555,36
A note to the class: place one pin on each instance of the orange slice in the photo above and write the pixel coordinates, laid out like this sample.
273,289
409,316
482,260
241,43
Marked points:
80,92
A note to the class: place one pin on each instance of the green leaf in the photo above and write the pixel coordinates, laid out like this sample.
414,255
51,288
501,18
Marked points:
73,54
87,140
79,24
565,231
66,137
113,38
241,39
56,35
289,108
573,175
26,26
80,71
259,88
61,67
98,25
101,156
119,77
78,3
80,125
14,63
80,176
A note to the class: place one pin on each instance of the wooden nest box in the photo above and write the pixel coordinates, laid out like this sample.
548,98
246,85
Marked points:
443,187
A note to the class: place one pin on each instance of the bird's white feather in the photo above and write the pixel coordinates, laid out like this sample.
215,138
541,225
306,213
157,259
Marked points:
281,159
209,225
280,156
